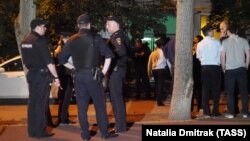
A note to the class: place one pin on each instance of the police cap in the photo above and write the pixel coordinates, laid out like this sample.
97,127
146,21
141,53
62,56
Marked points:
206,28
37,22
83,19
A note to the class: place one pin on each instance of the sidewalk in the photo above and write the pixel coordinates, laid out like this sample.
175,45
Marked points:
13,121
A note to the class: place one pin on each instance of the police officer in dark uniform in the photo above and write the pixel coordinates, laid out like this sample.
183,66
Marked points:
118,71
85,47
39,63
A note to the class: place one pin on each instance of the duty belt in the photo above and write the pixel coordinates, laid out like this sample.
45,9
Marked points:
40,70
84,70
44,70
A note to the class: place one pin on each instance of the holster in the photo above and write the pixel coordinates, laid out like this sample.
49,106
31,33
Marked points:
46,73
98,75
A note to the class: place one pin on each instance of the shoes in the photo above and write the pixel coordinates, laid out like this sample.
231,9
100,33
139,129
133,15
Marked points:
88,139
216,115
193,114
68,122
245,116
52,125
203,117
229,116
47,134
200,113
113,130
160,104
110,135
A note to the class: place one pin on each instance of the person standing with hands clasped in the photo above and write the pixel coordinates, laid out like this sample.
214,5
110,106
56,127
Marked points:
208,52
41,69
85,47
119,45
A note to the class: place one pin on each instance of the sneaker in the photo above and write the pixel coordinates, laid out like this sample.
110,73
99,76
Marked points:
245,116
87,139
203,117
200,113
229,116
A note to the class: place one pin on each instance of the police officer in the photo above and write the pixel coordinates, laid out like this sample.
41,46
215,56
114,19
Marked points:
85,47
38,61
118,71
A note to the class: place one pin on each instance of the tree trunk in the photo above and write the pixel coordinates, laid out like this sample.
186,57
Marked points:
22,23
180,108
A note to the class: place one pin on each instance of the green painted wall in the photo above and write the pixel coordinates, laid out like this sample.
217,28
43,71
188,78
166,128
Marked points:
170,25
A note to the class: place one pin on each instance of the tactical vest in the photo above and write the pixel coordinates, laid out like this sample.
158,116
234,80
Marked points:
85,54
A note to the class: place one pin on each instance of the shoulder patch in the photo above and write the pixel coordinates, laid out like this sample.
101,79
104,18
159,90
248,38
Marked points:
118,41
26,46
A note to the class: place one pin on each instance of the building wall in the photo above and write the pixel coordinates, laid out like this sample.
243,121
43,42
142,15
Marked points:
170,25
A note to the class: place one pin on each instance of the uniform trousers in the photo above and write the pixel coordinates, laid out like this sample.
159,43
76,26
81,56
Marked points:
117,100
38,103
87,88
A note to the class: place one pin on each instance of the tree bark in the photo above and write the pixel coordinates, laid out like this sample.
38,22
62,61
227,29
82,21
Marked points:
22,23
180,108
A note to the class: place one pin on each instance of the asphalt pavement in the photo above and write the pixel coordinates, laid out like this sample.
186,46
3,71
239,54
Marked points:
13,121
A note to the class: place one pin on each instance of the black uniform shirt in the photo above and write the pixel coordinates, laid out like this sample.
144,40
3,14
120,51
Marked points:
120,45
80,45
141,60
35,51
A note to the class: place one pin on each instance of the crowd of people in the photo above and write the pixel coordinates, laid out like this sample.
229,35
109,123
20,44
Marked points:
222,66
76,66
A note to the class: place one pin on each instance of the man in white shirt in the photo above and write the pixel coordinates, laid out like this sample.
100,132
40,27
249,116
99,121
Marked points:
208,52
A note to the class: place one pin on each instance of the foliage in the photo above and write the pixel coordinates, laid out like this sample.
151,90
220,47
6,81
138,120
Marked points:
62,15
8,12
58,15
236,11
137,16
